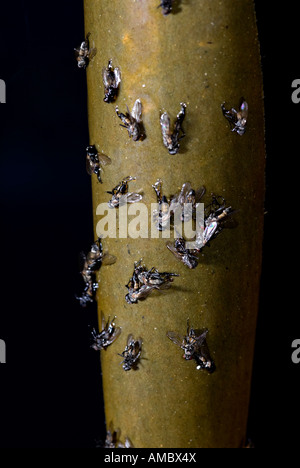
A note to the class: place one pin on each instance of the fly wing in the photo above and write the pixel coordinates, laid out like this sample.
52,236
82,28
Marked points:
199,193
201,338
144,291
106,77
165,128
108,259
137,111
114,336
89,166
103,159
129,339
134,197
174,251
209,231
181,197
243,111
92,53
176,338
117,72
137,347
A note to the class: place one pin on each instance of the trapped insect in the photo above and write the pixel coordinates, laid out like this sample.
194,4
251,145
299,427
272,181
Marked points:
187,257
182,205
111,80
194,346
133,121
216,217
83,53
108,334
113,439
144,281
187,200
166,6
120,194
131,353
171,139
162,214
91,263
95,160
237,119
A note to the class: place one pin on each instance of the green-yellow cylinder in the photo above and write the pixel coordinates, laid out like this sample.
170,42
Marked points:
203,53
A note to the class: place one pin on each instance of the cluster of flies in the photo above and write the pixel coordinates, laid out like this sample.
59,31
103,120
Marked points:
193,343
108,334
132,121
143,280
182,206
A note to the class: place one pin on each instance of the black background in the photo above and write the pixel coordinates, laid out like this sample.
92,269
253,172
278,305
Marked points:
50,388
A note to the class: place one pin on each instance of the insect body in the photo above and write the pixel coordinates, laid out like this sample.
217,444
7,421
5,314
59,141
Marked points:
182,204
171,139
131,353
162,215
144,281
91,263
111,80
84,54
166,6
133,121
107,335
121,196
194,346
237,119
187,200
216,217
113,439
95,160
187,257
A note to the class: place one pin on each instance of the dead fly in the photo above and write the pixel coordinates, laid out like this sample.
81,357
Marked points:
133,121
187,199
131,353
113,439
216,217
144,281
162,215
95,160
194,346
183,202
107,335
237,119
166,6
171,139
91,263
186,256
111,80
84,54
120,194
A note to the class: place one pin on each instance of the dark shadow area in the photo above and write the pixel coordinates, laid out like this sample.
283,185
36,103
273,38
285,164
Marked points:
51,383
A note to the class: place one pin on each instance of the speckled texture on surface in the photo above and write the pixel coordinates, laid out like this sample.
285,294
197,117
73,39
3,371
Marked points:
204,54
